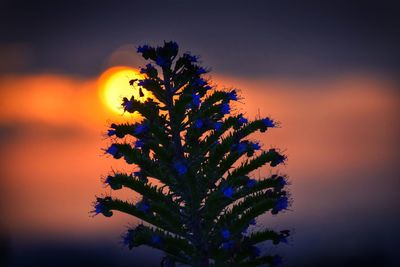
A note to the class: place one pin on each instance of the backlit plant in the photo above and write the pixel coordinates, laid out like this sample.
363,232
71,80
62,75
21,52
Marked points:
192,164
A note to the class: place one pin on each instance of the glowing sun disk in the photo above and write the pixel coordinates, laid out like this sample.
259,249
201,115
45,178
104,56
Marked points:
114,86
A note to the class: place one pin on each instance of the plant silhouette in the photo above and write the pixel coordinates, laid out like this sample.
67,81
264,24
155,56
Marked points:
202,209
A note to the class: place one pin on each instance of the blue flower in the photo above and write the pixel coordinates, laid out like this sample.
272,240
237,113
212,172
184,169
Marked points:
241,148
242,120
253,222
198,123
148,69
128,238
276,158
196,100
281,204
112,150
251,183
155,240
139,129
143,49
100,207
112,183
225,233
162,61
199,82
225,108
200,71
141,176
111,132
128,105
143,206
281,182
268,122
143,82
232,95
190,58
217,126
256,146
139,143
228,191
180,168
171,48
227,245
244,231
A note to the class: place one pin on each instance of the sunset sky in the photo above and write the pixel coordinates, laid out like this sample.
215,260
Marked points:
327,72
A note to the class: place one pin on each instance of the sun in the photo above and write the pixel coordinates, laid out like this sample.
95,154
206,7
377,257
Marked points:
114,85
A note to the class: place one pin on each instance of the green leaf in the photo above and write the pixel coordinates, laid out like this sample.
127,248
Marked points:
179,248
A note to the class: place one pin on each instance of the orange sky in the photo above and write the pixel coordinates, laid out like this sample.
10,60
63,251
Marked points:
52,125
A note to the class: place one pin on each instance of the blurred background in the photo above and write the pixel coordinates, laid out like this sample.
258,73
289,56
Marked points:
327,71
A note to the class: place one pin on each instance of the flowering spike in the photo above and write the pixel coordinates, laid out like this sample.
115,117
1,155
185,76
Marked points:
143,49
276,158
256,146
280,183
141,176
180,168
281,204
155,240
143,206
162,61
193,162
110,180
228,191
139,143
113,150
198,123
128,238
190,58
217,126
268,122
225,108
226,233
199,82
232,95
201,71
100,207
196,100
242,120
241,148
139,129
251,183
227,245
111,132
127,104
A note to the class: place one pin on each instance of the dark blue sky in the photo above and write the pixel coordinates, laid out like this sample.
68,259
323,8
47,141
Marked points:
261,38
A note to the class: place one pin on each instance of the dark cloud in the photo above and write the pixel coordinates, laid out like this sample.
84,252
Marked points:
15,131
235,37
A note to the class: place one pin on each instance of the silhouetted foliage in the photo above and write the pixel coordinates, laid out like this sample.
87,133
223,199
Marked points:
205,202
